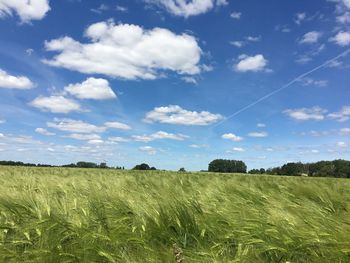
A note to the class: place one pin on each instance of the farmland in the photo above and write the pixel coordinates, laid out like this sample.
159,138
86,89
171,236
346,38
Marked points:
97,215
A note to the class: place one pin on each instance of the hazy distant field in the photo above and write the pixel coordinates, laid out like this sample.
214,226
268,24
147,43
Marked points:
73,215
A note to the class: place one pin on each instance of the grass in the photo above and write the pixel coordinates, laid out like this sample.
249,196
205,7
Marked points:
85,215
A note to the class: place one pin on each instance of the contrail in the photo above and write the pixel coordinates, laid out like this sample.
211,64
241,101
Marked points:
343,54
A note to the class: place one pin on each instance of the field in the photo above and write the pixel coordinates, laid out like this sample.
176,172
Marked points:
87,215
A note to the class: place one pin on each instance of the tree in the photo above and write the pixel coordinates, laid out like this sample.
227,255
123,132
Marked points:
143,167
227,166
182,170
291,169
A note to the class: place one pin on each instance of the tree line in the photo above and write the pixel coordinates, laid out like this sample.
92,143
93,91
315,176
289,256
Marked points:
72,165
336,168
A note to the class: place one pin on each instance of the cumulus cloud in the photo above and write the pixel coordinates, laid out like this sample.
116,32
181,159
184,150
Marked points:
342,145
91,88
199,146
117,139
341,116
55,104
14,82
232,137
127,51
117,125
238,149
251,63
160,135
237,43
75,126
148,149
299,18
174,114
341,39
26,10
236,15
189,7
258,134
311,37
83,137
44,132
304,114
78,126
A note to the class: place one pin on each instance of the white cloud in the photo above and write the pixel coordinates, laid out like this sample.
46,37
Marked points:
99,10
344,131
2,121
311,37
127,51
190,80
304,114
121,8
344,18
253,39
261,125
75,126
238,149
236,15
160,135
237,43
14,82
313,82
221,2
117,125
174,114
342,145
118,139
299,18
55,104
248,39
96,142
232,137
258,134
44,132
199,146
83,137
148,149
26,10
251,63
188,8
91,88
341,39
341,116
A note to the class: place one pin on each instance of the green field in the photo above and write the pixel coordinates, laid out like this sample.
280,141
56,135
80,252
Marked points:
87,215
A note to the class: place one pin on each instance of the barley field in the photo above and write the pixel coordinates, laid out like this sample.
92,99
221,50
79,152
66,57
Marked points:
87,215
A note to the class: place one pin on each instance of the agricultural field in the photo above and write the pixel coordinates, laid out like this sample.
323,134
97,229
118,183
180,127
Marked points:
96,215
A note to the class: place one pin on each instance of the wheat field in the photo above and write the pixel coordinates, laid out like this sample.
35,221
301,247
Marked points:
95,215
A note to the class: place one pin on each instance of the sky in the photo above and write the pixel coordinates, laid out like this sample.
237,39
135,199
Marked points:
174,83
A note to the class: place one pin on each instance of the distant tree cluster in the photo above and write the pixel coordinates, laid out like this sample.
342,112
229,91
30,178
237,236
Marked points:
143,167
227,166
14,163
257,171
336,168
72,165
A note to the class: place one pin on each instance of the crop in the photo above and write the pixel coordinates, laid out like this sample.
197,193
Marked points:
95,215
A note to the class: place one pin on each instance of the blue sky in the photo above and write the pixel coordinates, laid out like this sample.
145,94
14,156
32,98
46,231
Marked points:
174,83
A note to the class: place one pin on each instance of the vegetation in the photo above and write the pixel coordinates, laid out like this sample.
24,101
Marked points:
336,168
143,167
227,166
106,215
